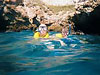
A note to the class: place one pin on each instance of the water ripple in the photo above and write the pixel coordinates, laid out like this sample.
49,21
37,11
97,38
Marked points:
20,54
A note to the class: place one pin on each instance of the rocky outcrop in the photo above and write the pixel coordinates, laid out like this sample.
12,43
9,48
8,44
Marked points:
29,14
87,17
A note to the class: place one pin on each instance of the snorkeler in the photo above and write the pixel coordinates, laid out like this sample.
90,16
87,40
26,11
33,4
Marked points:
41,32
63,33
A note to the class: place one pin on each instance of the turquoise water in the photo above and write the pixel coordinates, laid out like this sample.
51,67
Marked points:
20,54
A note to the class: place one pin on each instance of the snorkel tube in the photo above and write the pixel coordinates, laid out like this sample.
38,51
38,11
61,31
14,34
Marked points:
69,29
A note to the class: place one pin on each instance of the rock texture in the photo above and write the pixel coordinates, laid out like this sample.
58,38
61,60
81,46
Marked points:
17,15
87,17
29,14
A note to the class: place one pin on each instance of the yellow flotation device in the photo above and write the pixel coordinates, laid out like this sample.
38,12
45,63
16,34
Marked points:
37,35
59,35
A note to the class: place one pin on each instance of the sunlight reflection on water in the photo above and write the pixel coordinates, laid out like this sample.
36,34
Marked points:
20,54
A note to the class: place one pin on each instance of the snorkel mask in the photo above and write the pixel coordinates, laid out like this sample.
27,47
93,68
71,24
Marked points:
42,27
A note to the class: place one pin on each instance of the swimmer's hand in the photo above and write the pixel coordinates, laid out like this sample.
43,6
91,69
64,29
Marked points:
57,39
62,43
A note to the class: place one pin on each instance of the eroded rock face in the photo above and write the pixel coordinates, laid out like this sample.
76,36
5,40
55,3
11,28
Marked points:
88,20
29,14
8,16
32,12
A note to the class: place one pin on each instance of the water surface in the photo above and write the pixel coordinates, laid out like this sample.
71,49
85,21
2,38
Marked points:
20,54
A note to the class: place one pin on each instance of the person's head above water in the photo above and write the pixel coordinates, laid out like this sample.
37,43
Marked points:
41,32
42,27
64,31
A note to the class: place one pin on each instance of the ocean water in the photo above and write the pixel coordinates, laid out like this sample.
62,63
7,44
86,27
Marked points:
20,54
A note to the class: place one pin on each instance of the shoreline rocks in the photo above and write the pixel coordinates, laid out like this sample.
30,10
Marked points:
87,17
30,14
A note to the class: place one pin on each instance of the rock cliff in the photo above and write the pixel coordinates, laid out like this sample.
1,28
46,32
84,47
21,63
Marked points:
16,15
87,17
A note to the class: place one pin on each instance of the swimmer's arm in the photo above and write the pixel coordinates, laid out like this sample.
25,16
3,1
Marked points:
62,43
57,39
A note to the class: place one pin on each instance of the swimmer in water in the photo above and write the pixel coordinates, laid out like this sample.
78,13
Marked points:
41,32
63,33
